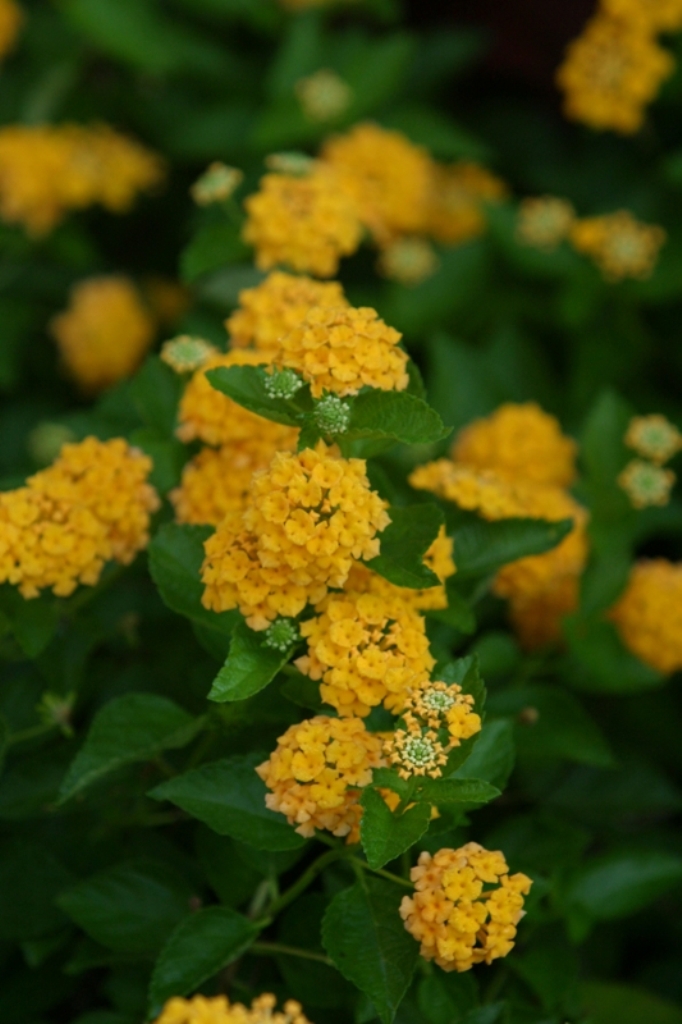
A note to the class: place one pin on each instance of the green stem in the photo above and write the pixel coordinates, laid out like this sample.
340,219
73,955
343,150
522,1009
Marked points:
30,734
267,948
305,880
380,871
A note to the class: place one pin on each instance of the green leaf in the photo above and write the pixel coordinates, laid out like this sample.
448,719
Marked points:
492,757
168,457
364,935
627,1004
404,543
176,555
33,622
131,907
457,791
229,797
131,728
213,246
303,691
484,547
394,414
30,879
602,663
200,946
602,448
385,835
249,667
155,390
245,385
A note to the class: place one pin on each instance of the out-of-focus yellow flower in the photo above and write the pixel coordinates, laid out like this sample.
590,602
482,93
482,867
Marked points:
315,774
105,333
646,484
648,616
274,308
306,222
388,176
219,1010
408,261
537,616
458,194
653,437
544,221
11,19
647,15
45,171
611,72
343,349
324,95
619,244
458,922
519,442
186,354
307,519
216,184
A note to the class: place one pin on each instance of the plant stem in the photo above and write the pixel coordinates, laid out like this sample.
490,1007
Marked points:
380,871
266,948
305,880
31,733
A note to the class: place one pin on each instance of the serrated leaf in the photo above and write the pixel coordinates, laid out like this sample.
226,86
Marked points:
134,727
484,547
303,691
229,797
457,791
492,757
245,385
155,391
33,622
397,415
201,946
404,543
364,935
388,778
212,247
249,667
385,835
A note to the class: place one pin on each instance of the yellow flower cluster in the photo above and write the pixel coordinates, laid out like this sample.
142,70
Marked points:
307,222
316,771
219,1010
323,95
307,519
11,18
436,717
519,442
654,438
620,245
652,15
544,221
104,334
45,171
368,649
648,615
93,504
342,349
615,68
456,208
275,307
466,906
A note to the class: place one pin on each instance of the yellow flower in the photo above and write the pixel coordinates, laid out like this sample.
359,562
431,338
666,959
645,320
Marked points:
306,222
646,484
186,354
458,194
611,72
316,771
275,307
408,261
343,349
620,245
456,915
388,177
104,334
537,616
436,717
216,184
653,437
367,649
647,15
519,442
323,95
648,616
308,518
544,221
11,18
219,1010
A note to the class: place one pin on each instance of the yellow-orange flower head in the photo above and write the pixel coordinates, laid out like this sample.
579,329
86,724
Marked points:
367,649
537,616
436,718
611,72
274,308
315,774
519,442
653,437
648,15
388,177
343,349
308,518
544,221
466,906
219,1010
620,245
105,332
648,616
306,222
11,18
459,192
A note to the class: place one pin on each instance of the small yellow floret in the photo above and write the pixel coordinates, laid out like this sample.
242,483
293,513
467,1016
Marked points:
306,222
646,484
274,308
324,95
611,72
648,616
316,772
308,518
537,616
544,221
408,261
466,906
11,19
653,437
647,15
219,1010
620,245
105,332
519,442
344,349
459,192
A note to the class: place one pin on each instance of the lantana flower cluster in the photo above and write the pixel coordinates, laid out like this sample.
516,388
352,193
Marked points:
648,615
219,1010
